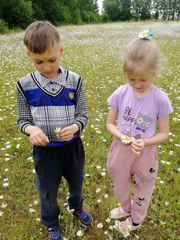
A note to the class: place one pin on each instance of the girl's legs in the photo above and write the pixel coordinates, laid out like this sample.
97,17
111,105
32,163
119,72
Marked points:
119,162
145,172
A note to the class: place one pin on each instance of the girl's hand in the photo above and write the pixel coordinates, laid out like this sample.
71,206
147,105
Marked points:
137,145
67,133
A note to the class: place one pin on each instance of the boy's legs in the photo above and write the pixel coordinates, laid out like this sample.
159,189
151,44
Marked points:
119,162
48,166
144,177
73,172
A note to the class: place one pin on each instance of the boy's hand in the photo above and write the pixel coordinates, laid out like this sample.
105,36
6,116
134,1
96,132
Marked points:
67,133
137,145
37,136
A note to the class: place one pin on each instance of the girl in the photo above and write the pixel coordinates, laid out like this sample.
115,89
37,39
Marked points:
138,106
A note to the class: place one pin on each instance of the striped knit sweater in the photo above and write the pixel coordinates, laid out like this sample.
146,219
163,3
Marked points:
38,105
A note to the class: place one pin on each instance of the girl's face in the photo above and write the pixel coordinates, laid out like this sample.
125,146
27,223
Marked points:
140,81
47,63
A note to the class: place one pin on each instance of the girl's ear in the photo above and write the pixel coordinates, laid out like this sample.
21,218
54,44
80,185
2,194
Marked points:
125,77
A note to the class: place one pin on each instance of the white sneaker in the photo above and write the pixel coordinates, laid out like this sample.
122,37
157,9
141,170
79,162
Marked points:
126,226
118,213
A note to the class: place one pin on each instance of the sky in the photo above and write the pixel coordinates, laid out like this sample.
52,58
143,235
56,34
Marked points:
100,5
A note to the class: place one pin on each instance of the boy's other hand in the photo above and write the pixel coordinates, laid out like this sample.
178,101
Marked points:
137,145
37,136
67,133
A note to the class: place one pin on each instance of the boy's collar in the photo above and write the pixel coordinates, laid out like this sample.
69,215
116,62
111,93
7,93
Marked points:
61,78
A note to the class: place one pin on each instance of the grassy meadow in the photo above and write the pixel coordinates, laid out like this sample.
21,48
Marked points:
93,51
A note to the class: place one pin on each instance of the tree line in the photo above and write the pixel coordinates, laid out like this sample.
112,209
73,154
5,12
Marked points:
19,13
125,10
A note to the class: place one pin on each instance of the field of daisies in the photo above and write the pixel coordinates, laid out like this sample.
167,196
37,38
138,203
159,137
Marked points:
93,51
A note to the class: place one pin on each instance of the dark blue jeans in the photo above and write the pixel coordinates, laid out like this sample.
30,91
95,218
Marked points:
51,163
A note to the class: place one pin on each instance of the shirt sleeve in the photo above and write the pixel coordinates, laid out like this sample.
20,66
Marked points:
24,117
165,107
81,113
114,99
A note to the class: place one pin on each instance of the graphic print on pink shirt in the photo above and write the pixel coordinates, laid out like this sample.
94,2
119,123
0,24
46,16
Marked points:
138,117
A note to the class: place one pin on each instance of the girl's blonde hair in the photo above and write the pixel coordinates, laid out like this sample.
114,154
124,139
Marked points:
141,55
40,35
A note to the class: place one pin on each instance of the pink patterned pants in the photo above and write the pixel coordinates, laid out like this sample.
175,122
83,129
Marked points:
126,169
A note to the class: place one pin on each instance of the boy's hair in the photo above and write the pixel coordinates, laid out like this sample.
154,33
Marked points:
40,35
141,55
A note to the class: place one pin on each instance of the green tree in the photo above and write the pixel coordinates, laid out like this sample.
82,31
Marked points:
89,10
16,12
111,9
77,17
117,9
95,6
125,10
141,9
3,26
55,10
162,8
22,12
167,9
38,12
66,11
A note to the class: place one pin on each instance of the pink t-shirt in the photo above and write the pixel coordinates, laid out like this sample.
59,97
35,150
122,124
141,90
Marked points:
138,116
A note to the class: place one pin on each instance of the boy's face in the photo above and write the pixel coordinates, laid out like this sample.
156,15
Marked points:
47,63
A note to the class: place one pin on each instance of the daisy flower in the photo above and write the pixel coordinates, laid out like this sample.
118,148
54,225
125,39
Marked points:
57,130
126,139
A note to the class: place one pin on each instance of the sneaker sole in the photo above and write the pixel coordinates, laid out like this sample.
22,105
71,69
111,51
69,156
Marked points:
84,225
121,218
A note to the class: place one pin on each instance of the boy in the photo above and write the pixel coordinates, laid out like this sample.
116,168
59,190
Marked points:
52,111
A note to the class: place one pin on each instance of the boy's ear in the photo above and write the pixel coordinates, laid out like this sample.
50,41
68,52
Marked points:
61,49
28,53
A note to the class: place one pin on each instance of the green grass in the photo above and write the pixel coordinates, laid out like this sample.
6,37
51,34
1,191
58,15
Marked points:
94,51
